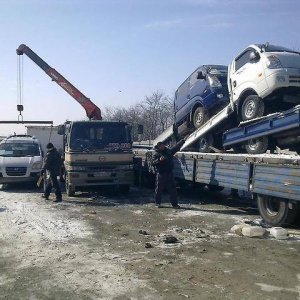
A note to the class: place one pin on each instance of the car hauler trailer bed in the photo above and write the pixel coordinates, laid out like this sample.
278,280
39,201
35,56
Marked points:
273,180
280,129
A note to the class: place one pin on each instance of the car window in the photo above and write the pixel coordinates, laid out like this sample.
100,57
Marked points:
193,77
19,149
243,59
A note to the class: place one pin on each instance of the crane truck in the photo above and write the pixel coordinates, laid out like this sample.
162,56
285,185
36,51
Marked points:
263,113
96,152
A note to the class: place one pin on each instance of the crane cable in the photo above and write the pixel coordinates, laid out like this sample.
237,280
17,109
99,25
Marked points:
20,86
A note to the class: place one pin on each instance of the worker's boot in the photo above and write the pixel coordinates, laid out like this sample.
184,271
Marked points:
46,197
57,200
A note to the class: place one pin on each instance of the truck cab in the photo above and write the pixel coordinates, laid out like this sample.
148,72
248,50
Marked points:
21,159
264,79
197,98
97,153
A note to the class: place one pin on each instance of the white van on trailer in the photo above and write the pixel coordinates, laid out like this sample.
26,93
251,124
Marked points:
264,79
21,159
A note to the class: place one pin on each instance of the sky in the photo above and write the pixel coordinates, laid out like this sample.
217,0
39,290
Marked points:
117,52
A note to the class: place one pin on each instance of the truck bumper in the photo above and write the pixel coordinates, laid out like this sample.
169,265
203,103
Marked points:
282,78
32,177
82,179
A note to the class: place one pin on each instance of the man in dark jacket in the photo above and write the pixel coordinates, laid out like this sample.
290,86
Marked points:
162,162
52,164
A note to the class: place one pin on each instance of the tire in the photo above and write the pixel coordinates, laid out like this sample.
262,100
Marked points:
124,188
276,211
215,188
70,190
258,145
199,117
204,142
253,107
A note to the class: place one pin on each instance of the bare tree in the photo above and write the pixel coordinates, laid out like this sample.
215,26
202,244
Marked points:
158,114
155,113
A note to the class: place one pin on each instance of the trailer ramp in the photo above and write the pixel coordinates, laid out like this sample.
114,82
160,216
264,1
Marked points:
164,136
208,126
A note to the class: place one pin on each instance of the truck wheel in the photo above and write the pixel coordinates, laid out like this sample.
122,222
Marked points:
276,211
204,142
258,145
199,117
253,107
69,189
215,188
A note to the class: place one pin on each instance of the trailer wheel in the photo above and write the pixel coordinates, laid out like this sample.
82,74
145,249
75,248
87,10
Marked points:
199,117
276,211
69,189
204,142
257,145
215,188
253,107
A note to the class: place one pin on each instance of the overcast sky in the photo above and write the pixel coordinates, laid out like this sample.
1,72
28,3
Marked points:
116,52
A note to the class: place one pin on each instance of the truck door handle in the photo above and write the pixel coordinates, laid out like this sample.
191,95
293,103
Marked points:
234,84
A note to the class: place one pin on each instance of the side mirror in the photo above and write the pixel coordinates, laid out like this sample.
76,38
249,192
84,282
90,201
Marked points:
61,129
140,129
200,75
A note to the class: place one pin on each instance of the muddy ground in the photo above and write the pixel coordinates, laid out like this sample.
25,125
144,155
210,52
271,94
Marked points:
105,245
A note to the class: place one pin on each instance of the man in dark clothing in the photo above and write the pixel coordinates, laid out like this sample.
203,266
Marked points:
162,162
52,164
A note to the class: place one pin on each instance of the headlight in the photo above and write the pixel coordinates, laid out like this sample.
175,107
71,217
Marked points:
273,62
37,165
214,82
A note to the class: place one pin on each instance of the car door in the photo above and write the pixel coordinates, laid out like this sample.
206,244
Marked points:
180,100
247,73
197,86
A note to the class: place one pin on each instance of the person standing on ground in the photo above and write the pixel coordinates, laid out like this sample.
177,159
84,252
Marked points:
163,164
52,164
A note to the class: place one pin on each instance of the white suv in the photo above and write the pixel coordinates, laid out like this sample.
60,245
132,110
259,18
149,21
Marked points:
263,79
21,159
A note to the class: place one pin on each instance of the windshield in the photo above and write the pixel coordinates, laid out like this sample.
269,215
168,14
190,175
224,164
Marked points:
19,149
216,69
109,136
272,48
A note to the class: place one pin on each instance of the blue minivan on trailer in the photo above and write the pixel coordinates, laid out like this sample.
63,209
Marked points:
199,95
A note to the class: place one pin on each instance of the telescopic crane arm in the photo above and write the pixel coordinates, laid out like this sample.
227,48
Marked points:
92,111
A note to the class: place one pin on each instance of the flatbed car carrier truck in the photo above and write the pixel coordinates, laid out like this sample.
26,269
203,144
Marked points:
272,179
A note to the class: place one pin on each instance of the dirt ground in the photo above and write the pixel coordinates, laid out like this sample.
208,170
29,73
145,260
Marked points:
105,245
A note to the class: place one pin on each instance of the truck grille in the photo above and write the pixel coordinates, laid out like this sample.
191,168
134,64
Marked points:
294,79
16,171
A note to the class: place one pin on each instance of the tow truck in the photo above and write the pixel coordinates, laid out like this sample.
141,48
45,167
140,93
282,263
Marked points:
96,152
272,178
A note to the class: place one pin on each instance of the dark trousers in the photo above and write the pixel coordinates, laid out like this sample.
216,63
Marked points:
53,183
165,180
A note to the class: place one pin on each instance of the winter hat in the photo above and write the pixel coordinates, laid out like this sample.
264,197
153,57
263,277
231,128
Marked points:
49,146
